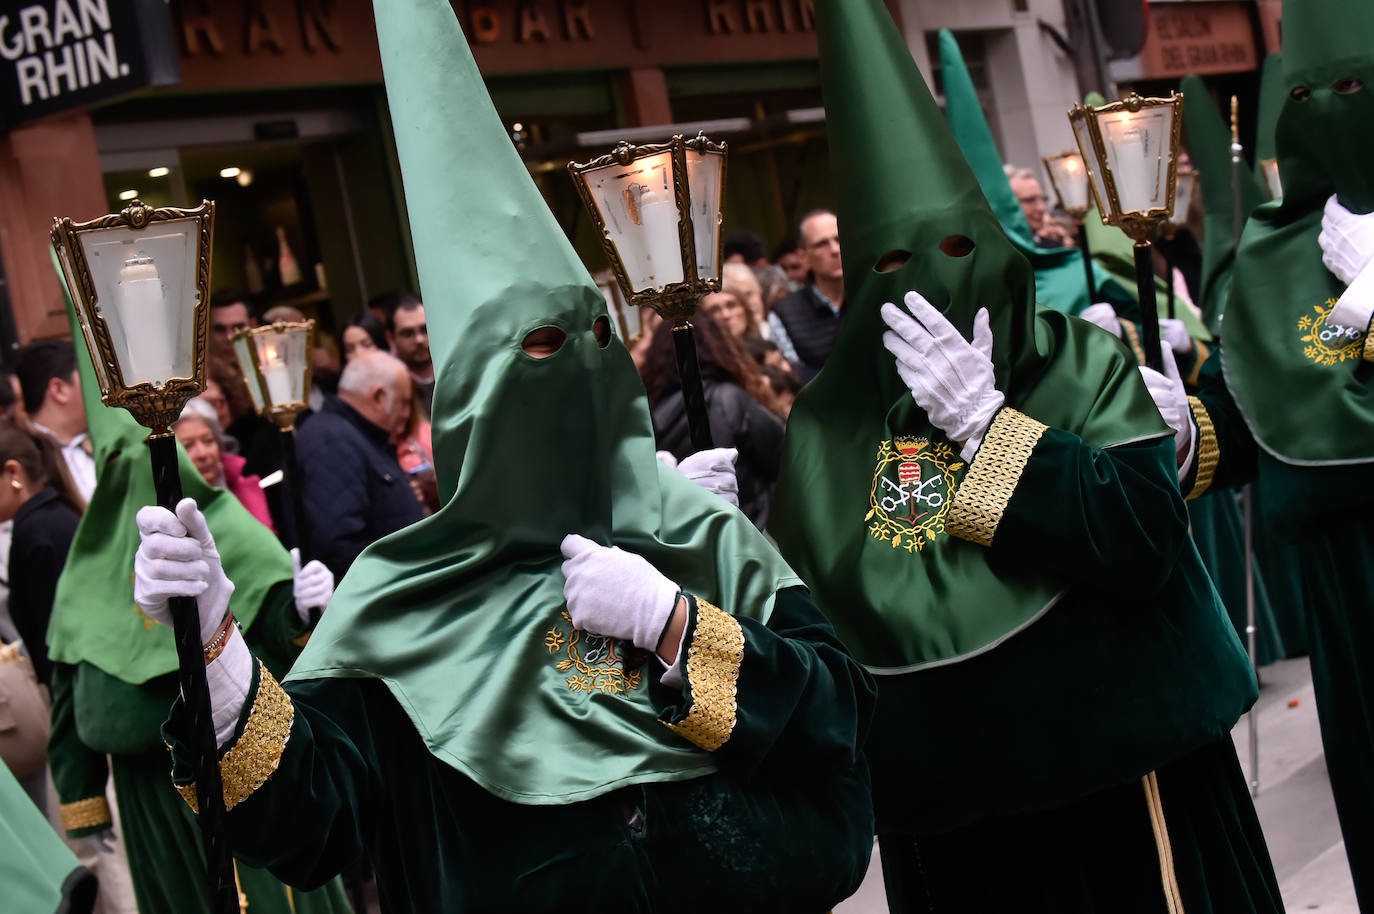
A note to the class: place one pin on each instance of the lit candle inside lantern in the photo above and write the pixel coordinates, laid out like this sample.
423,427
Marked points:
275,373
143,318
662,246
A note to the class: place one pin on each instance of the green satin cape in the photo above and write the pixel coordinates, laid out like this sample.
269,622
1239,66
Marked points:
901,593
1303,387
462,615
95,619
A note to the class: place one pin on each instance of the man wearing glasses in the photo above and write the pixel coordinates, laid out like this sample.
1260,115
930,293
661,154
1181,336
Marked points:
806,323
410,341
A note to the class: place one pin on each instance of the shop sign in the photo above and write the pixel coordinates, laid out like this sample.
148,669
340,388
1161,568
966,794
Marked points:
1198,38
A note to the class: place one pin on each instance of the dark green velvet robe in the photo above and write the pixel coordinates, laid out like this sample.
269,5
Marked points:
95,715
785,824
1039,744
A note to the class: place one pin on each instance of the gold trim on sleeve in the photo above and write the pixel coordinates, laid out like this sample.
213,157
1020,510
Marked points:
1208,451
253,758
1200,355
1131,336
86,813
983,495
1368,352
713,661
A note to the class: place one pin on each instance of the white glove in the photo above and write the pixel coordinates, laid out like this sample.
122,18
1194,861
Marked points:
312,585
1175,333
950,378
1167,390
1355,307
714,471
615,593
1104,316
177,558
666,458
1347,241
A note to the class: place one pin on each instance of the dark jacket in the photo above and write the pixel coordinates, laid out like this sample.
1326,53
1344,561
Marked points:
355,491
737,420
43,530
812,326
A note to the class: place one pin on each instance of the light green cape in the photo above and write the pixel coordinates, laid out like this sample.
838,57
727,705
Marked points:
1060,282
1304,389
903,594
94,617
462,615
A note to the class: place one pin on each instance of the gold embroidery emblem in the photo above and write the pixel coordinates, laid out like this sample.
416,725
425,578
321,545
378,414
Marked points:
913,485
594,663
1329,344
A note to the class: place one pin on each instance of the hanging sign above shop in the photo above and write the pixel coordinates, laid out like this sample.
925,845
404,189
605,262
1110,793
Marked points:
61,54
1198,38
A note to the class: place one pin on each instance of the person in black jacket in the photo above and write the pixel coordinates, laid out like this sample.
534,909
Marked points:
741,408
355,491
37,493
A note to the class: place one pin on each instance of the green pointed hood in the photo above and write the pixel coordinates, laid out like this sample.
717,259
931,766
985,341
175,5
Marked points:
1277,340
1059,279
859,450
462,615
1209,145
88,626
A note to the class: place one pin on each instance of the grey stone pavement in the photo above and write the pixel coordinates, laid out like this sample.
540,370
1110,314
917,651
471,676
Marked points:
1294,803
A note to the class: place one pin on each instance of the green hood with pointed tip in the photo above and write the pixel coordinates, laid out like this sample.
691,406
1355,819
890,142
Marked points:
462,614
859,451
94,617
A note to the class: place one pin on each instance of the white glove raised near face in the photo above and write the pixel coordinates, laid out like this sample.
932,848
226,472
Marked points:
312,586
1103,315
1175,333
615,593
1347,241
177,558
714,471
949,377
1171,398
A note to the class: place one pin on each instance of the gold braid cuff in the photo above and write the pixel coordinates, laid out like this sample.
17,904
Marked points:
1368,352
996,469
255,755
1208,451
1131,335
713,661
86,813
1200,355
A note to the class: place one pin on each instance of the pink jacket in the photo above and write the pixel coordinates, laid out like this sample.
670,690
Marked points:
246,489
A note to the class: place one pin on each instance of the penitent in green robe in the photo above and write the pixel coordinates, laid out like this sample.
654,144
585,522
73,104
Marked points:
38,872
784,824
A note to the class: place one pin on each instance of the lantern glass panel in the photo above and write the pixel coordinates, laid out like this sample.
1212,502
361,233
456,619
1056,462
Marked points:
1082,131
626,316
145,290
1270,169
1183,196
1137,144
243,350
282,358
639,208
1070,180
704,172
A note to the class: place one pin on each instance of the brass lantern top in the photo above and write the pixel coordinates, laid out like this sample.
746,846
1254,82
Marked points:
275,361
140,282
1150,178
658,210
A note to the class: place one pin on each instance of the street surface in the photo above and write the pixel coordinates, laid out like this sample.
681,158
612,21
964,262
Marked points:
1294,804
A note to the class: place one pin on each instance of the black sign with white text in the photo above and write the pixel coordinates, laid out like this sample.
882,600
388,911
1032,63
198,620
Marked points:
60,54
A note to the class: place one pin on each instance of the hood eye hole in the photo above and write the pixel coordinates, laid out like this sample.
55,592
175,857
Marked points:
1348,86
542,342
1301,94
601,329
957,245
892,260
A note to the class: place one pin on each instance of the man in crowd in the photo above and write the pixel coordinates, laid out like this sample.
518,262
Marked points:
229,313
52,398
805,324
409,336
789,257
355,491
1026,186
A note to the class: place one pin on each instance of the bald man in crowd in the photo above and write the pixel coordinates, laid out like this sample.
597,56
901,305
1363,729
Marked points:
355,491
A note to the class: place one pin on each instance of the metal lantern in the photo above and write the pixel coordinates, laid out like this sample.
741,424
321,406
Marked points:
1131,150
140,285
1183,200
140,281
1069,178
1270,169
658,210
275,361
